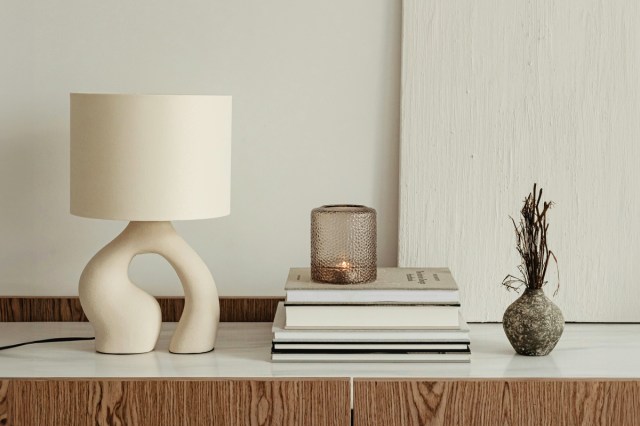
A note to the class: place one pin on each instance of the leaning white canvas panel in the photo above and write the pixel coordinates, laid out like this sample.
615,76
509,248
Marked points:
497,95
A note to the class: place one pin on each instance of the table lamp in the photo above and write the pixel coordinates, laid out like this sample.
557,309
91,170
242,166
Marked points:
149,159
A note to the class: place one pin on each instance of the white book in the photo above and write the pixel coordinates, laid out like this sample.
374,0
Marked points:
371,347
371,357
393,285
280,334
372,316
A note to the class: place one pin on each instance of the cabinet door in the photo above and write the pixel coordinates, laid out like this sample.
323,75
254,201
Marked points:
496,402
175,402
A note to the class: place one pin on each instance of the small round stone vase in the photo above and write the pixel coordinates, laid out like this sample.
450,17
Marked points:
533,323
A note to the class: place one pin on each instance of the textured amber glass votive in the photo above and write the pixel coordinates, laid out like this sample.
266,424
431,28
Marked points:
343,244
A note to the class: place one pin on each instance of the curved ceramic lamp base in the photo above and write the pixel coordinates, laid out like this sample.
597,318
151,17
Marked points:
127,320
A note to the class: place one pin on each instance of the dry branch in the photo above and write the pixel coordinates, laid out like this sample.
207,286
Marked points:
531,243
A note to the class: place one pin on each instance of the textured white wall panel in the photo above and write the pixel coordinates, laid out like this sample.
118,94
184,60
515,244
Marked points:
497,95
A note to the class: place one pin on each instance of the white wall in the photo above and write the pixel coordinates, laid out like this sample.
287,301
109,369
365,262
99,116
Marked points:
499,94
316,116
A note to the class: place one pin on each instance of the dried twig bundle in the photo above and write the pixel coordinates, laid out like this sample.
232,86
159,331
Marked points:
531,243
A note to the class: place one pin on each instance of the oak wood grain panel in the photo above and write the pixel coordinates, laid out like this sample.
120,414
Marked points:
4,391
239,309
13,309
326,402
269,402
93,402
171,308
493,402
248,309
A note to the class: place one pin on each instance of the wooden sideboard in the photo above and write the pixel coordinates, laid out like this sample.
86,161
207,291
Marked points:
591,378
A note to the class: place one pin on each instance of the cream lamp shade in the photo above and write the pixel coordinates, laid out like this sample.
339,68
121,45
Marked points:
150,157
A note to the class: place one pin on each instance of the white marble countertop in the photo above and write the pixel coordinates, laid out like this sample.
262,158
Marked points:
243,350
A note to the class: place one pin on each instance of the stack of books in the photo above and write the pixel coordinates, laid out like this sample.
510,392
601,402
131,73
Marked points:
406,315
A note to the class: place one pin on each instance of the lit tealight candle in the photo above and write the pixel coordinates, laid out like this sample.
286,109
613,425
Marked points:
344,272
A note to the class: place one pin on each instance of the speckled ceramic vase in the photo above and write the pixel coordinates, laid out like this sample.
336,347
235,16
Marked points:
533,323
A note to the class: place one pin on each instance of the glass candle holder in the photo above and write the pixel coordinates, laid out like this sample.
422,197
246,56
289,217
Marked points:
343,244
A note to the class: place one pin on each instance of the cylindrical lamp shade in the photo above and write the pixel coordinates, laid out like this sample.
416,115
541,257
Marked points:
150,157
343,244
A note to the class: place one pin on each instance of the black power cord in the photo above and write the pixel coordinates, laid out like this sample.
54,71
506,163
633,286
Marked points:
55,339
